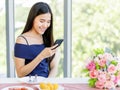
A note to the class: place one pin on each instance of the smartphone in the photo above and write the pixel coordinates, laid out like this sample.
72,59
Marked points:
58,41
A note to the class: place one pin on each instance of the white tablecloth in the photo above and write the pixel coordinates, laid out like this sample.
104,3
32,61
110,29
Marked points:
53,80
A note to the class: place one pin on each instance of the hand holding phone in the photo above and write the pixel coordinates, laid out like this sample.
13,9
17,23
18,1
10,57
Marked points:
58,41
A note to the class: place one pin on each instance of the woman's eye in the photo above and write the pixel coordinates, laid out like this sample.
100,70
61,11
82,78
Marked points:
48,22
42,21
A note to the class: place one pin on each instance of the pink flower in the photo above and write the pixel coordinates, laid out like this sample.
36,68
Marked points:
99,84
102,77
109,84
115,81
104,70
111,68
112,77
93,74
107,56
91,66
102,62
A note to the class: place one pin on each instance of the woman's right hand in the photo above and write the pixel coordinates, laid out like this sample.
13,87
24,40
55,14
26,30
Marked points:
48,51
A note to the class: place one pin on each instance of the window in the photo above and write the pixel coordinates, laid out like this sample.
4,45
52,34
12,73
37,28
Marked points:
3,70
22,8
95,25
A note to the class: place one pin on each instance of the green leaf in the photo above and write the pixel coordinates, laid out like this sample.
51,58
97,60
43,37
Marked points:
98,51
114,62
97,66
85,70
92,82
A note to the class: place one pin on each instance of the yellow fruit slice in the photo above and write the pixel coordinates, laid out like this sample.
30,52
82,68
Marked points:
50,86
55,85
44,86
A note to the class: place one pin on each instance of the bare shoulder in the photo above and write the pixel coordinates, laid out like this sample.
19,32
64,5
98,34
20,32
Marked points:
21,40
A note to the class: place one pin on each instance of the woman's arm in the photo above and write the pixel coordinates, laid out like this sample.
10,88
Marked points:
22,69
54,65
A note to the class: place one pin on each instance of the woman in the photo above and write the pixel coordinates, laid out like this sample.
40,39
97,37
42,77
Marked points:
34,53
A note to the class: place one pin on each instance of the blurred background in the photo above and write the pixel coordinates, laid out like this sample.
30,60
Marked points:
94,24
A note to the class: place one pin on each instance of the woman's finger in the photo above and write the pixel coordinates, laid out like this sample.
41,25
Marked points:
53,47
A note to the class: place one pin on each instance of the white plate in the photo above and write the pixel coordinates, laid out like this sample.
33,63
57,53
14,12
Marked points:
8,88
29,88
33,80
59,88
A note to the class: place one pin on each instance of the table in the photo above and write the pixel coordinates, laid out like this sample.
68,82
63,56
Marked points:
67,83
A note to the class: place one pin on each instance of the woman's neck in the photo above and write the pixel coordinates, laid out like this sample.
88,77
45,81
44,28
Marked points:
32,33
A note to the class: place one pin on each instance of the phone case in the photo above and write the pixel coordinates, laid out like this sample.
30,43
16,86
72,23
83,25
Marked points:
58,41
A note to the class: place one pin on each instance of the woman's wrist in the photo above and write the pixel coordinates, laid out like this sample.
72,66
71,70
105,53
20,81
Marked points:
40,57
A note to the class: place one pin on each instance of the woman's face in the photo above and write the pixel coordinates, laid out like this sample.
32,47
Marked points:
41,23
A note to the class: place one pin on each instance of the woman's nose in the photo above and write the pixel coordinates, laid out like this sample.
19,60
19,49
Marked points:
45,24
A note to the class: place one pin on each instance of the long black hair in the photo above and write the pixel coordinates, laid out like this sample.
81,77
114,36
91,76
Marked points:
38,9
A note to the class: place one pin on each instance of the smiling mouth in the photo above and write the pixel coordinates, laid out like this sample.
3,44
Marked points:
43,30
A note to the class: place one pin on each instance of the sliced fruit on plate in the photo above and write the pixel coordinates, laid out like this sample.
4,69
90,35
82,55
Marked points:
22,88
49,86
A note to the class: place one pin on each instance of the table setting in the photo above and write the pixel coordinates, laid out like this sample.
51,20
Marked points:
63,83
102,72
25,83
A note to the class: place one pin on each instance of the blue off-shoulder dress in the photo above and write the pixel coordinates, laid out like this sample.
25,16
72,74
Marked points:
29,52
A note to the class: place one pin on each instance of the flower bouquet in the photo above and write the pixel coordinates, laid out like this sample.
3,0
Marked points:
103,70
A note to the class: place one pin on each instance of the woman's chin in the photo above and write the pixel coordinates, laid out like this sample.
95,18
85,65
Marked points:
42,33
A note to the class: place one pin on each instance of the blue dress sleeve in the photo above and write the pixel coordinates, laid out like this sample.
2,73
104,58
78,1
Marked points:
22,51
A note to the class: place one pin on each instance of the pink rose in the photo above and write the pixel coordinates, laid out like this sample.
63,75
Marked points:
93,74
102,62
99,84
112,77
107,56
102,77
91,66
116,81
109,84
111,68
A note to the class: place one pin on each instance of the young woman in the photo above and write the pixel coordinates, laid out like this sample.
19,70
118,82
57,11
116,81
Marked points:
33,51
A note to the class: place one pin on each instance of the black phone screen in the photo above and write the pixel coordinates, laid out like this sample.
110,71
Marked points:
58,41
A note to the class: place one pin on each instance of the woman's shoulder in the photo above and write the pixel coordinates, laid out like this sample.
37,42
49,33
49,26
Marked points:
21,39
